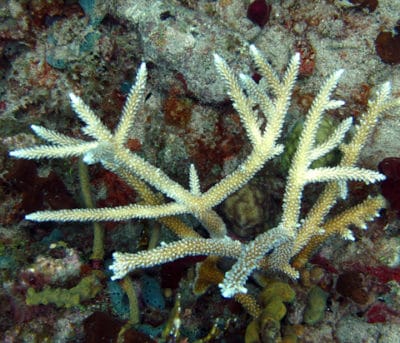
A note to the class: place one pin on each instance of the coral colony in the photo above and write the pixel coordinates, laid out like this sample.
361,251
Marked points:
229,197
293,237
281,243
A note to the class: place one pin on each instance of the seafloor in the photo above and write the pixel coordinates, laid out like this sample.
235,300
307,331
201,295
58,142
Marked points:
54,290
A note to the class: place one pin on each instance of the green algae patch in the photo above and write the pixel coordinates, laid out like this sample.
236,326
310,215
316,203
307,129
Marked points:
316,305
86,289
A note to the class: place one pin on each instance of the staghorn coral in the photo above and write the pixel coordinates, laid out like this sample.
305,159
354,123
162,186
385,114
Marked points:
281,243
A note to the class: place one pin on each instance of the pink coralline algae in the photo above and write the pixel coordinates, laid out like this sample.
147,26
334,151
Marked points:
258,12
381,313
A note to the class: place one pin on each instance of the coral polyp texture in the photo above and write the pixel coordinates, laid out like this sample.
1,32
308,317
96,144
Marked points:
262,108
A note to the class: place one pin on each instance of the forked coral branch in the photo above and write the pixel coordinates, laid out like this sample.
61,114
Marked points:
278,245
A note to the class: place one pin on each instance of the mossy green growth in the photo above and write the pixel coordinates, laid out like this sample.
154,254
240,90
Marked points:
267,326
316,305
252,332
277,290
86,289
275,310
325,129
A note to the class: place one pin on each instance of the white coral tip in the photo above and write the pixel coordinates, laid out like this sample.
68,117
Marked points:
218,59
349,235
228,291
